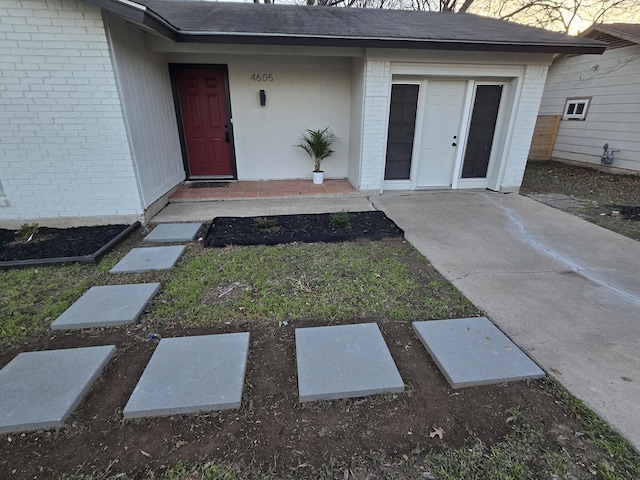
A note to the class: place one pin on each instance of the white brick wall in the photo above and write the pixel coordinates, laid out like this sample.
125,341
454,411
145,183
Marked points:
526,112
376,112
63,146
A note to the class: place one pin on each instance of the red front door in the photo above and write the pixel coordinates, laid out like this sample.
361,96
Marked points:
205,122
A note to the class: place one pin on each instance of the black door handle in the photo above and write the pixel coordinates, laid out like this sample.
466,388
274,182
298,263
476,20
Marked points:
454,144
226,137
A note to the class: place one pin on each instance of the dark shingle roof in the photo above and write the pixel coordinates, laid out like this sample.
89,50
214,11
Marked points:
199,21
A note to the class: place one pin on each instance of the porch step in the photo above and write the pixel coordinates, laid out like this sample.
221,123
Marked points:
263,189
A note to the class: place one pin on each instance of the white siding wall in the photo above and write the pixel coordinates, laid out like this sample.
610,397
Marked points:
614,113
145,87
64,150
523,123
355,129
376,113
306,92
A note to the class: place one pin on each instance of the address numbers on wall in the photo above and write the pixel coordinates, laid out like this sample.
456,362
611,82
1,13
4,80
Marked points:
262,77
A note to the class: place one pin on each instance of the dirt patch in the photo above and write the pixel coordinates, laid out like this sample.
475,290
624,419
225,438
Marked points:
587,193
279,229
33,242
271,429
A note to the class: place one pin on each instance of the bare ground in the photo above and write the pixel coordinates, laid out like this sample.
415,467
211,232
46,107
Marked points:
596,195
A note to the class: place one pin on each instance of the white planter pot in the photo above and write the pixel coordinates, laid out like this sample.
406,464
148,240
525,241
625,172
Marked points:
318,178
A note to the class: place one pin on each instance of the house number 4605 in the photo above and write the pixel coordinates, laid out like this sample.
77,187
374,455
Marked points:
262,77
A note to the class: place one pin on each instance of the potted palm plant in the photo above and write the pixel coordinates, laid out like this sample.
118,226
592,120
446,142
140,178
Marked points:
317,143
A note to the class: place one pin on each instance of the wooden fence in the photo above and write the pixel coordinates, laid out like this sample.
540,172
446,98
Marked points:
544,137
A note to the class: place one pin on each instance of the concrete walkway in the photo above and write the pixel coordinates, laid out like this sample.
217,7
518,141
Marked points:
564,290
206,211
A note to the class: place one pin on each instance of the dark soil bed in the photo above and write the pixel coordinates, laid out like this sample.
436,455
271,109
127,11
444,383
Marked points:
57,243
278,229
628,212
271,430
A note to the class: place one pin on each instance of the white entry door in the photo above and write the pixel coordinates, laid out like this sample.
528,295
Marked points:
441,132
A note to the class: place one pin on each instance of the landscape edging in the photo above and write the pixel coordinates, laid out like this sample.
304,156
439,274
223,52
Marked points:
85,259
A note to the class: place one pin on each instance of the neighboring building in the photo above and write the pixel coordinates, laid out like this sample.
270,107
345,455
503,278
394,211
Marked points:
108,105
597,99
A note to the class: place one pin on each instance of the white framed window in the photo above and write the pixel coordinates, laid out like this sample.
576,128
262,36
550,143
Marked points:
576,108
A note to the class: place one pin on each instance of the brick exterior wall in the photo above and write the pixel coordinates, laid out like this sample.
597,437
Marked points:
376,111
64,151
526,114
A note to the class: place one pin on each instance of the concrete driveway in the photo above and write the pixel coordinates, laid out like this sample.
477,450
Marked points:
565,290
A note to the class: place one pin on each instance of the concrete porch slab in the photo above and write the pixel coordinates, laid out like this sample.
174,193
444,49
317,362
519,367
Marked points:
344,361
206,211
473,351
40,389
107,306
140,260
191,374
174,232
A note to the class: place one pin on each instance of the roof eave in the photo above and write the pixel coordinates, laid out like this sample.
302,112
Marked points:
139,14
363,42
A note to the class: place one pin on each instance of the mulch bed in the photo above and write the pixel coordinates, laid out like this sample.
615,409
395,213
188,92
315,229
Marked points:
279,229
628,212
60,245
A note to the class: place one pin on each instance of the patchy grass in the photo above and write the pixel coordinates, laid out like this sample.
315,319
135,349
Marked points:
31,298
604,192
288,282
620,460
334,281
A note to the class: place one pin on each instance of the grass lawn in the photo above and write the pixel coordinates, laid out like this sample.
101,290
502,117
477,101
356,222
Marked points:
520,430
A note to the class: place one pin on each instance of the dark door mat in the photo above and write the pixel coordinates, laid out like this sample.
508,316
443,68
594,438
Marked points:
54,246
208,184
322,227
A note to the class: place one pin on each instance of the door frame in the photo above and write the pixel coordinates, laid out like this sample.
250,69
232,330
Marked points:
465,121
497,135
173,69
408,184
462,139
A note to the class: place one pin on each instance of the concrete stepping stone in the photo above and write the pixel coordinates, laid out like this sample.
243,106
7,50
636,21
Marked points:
191,374
107,306
41,389
344,361
140,260
174,232
473,351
